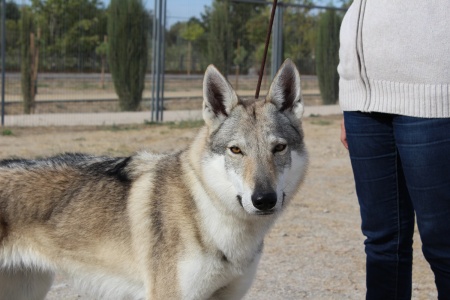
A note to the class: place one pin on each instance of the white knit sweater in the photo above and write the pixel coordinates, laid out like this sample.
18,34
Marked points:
395,57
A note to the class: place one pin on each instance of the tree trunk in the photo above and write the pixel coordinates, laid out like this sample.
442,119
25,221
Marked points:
189,63
34,53
102,77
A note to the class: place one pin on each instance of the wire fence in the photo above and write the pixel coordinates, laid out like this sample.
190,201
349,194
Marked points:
68,48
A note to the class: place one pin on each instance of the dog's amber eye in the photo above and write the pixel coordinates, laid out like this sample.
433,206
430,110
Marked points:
235,150
279,148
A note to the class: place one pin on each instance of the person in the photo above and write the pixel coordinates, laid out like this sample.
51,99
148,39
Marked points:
395,95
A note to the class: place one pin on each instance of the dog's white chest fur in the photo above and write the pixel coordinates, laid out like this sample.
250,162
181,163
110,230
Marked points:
203,276
187,225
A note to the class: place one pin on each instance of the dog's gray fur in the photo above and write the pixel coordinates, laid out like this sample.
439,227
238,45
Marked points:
187,225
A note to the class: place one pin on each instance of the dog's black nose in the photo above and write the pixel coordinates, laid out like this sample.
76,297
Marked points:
264,201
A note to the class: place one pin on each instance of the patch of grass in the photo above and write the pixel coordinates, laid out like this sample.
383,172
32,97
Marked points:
85,85
115,127
186,124
60,106
169,125
321,122
7,132
152,123
177,125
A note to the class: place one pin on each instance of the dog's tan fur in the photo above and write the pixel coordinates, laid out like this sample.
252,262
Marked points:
154,226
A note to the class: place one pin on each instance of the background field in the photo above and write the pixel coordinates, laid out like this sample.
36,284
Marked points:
315,251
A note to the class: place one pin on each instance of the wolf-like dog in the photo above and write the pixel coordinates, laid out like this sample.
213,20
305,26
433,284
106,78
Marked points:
186,225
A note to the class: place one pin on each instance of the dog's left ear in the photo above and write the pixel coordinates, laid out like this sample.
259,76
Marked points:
285,90
219,98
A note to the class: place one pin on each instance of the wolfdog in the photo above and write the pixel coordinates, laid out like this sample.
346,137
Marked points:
186,225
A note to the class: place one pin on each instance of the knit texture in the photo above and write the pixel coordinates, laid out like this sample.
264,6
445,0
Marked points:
395,58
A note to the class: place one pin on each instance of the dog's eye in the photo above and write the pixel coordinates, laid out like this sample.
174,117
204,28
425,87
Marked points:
235,150
279,148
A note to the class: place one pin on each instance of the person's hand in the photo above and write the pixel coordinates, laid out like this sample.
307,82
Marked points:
343,135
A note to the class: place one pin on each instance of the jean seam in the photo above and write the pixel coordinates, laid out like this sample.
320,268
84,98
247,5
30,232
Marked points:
398,222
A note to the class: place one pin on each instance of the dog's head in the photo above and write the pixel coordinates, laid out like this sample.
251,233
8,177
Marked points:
256,155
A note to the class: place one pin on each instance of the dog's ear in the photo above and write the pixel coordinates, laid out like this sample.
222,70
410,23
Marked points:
285,90
219,98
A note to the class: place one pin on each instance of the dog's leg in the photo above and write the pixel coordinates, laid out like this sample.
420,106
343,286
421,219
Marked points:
239,286
24,284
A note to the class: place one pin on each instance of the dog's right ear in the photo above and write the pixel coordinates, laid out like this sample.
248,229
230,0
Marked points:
219,98
285,90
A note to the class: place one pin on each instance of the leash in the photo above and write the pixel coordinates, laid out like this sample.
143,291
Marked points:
269,31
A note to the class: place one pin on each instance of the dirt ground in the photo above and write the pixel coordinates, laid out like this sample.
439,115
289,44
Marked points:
315,250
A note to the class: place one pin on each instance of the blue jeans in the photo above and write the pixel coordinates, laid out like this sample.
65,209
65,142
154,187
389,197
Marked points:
401,167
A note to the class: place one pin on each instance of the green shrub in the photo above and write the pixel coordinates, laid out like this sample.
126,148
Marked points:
127,50
26,29
7,132
327,56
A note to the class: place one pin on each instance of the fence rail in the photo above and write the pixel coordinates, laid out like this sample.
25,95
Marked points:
74,71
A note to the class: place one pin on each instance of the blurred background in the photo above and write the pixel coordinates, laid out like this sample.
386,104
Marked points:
72,57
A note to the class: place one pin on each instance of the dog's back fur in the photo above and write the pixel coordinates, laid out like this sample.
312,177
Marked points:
187,225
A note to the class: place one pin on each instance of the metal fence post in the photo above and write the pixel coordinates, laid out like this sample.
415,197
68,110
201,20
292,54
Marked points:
153,62
3,60
159,25
277,41
163,55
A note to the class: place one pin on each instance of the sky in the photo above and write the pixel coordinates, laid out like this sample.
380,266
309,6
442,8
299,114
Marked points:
177,10
182,10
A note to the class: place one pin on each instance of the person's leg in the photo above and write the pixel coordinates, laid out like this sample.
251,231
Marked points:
386,211
424,146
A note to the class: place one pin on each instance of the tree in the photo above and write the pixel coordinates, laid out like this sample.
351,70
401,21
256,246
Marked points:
12,11
102,51
178,48
239,56
175,50
191,33
299,30
12,43
220,45
240,14
127,50
226,23
30,59
327,56
71,29
256,31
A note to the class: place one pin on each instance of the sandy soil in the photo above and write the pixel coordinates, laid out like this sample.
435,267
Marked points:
315,251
